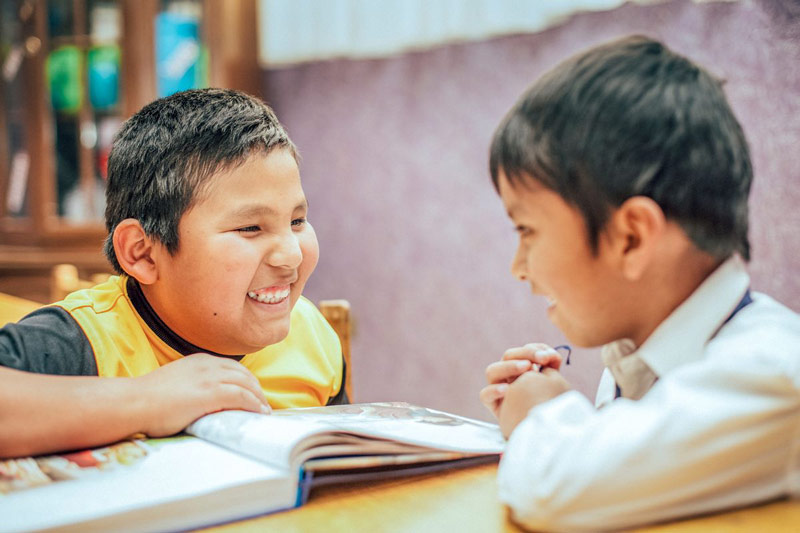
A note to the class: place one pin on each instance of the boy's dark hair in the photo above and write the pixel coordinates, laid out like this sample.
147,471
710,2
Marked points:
632,118
164,155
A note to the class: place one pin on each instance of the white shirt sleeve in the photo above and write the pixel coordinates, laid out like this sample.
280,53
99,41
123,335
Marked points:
708,436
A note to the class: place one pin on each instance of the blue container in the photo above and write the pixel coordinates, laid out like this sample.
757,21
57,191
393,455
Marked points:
178,53
103,62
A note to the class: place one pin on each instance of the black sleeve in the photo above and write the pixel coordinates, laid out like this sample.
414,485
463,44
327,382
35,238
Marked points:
341,398
47,341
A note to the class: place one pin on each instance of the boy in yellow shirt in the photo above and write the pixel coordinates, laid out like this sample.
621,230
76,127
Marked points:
626,175
208,233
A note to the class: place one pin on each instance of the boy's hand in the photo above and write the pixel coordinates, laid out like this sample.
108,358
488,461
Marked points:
180,392
527,391
515,362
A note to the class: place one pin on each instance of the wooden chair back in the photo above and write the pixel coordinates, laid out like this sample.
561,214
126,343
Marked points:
337,313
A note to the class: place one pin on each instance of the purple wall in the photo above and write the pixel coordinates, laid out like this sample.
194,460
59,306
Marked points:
411,231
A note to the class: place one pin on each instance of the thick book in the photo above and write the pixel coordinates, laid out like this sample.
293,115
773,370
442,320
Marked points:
233,465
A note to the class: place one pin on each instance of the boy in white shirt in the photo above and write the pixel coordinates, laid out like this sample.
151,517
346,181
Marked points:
626,175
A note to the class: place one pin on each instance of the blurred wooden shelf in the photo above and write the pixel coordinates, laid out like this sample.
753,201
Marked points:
25,272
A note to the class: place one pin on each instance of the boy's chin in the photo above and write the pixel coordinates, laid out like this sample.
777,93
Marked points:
255,343
276,334
588,341
579,338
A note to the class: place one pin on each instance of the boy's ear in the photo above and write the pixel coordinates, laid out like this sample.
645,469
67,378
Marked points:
635,228
135,251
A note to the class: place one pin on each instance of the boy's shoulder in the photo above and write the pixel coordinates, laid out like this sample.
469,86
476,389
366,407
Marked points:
306,307
765,333
101,298
310,334
306,317
767,315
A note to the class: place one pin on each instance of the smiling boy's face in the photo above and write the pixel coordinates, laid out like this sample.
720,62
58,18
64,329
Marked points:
245,253
585,291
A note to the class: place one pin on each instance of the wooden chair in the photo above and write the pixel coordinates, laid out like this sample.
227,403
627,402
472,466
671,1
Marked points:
12,308
337,313
65,279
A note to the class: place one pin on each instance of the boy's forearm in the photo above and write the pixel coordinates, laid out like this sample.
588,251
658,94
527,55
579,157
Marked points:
43,413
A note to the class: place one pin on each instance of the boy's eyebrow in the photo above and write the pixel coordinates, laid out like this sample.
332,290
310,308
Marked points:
252,210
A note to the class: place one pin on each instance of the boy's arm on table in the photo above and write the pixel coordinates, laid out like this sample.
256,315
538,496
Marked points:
45,413
707,437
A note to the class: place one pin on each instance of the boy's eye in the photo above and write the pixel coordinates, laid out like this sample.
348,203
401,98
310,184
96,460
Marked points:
523,231
248,229
298,222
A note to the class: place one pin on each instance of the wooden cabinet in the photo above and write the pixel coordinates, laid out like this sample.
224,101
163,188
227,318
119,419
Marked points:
71,72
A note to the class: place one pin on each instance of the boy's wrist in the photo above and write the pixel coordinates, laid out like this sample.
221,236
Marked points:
134,405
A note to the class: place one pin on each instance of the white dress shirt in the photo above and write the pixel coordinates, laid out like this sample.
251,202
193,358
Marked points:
717,424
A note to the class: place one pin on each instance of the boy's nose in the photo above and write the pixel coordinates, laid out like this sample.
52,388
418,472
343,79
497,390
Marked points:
519,265
285,252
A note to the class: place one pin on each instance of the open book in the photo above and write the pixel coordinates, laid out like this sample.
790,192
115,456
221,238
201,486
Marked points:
233,465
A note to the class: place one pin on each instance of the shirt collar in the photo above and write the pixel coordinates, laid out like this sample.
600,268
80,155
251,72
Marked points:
682,336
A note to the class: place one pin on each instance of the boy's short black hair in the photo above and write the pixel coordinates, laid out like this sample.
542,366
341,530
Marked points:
632,118
164,155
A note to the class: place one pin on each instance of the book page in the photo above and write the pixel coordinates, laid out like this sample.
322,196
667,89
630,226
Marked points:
288,436
332,463
410,424
267,438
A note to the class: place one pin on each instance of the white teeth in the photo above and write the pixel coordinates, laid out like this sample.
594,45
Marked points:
550,302
270,297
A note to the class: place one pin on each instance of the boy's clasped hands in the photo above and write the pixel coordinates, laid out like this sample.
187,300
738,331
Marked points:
525,377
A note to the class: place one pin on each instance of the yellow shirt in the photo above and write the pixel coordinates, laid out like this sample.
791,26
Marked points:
303,370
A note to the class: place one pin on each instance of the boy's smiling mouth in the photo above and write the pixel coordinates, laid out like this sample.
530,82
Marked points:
270,295
551,301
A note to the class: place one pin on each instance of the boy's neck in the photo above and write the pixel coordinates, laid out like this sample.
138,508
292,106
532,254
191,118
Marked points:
669,283
159,327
